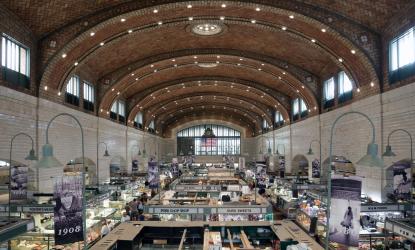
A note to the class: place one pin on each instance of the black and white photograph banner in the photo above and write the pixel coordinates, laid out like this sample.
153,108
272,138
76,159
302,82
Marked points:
68,209
402,180
153,176
315,168
134,166
345,210
18,182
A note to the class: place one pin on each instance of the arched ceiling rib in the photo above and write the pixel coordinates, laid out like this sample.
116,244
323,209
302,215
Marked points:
272,52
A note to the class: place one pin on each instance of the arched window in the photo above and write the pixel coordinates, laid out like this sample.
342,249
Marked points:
208,139
138,120
118,111
151,127
278,119
72,91
299,109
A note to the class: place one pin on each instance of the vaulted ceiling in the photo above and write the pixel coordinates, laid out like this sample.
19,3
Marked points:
179,61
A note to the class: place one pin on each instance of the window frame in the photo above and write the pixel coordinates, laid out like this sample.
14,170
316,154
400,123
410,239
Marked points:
72,91
88,96
404,71
13,73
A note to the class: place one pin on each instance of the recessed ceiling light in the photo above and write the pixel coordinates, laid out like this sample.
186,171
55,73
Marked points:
132,74
196,62
283,73
195,57
297,90
46,87
136,79
262,64
239,64
313,40
340,59
258,9
291,16
173,60
284,28
92,34
130,31
189,6
358,89
151,66
159,22
217,56
118,92
175,65
76,64
302,86
102,43
59,93
223,5
217,62
63,55
222,18
241,59
190,18
122,20
259,69
353,51
253,21
323,30
155,70
155,11
372,84
112,89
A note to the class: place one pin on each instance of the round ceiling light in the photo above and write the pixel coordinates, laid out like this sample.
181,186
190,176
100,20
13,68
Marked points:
207,29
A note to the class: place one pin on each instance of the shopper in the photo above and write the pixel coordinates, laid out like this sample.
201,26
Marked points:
127,209
140,206
104,229
134,209
125,217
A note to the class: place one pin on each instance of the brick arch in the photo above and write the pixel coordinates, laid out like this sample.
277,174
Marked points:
221,98
332,40
268,78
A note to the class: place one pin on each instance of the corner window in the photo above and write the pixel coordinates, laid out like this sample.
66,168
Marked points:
88,96
402,56
118,111
138,120
15,62
72,91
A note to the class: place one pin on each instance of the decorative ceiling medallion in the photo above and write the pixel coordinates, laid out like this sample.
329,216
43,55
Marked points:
207,29
207,65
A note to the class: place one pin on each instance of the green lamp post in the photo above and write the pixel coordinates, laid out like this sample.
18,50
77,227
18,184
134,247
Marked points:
49,161
30,157
389,152
370,159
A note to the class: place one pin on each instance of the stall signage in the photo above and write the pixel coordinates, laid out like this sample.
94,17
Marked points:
196,187
238,210
310,187
175,210
44,209
380,208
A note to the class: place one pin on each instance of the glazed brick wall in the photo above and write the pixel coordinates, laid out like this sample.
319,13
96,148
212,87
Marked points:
388,111
20,112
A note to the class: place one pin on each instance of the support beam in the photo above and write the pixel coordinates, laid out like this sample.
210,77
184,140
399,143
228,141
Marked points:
183,238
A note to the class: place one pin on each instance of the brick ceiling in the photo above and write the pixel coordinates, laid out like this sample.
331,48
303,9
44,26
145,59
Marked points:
268,53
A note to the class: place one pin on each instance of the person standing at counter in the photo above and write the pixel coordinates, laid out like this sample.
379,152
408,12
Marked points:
134,209
125,217
104,229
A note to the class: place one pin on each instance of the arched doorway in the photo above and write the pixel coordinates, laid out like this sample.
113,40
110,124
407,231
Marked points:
118,165
75,165
340,165
299,165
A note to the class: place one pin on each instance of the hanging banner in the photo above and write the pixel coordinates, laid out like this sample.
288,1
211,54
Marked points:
315,167
345,210
68,209
153,177
402,181
18,182
134,166
281,159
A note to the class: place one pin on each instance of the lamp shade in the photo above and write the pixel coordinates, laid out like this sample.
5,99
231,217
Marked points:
31,156
106,154
388,151
371,158
310,152
48,160
139,152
